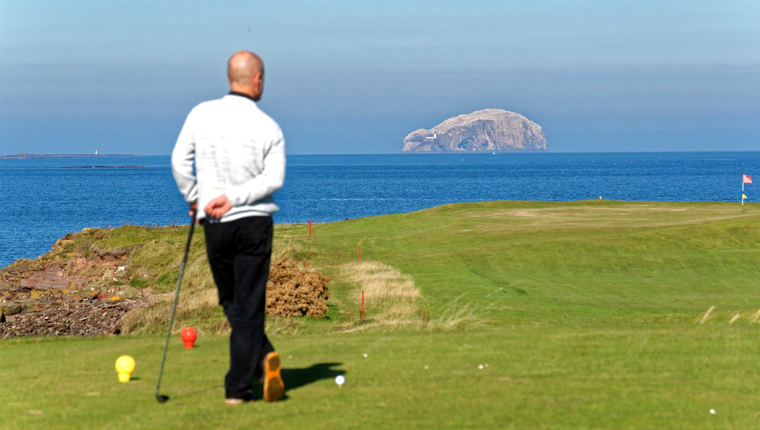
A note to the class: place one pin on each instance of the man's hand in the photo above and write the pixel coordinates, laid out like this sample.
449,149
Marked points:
218,206
193,209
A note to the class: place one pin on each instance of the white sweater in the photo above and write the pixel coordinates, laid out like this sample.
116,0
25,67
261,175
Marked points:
229,146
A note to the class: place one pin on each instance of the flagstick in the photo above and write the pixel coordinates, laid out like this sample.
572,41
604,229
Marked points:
742,194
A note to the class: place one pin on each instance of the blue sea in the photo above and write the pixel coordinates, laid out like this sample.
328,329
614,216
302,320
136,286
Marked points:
43,199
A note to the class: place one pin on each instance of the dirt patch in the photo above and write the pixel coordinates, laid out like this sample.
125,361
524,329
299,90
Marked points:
296,290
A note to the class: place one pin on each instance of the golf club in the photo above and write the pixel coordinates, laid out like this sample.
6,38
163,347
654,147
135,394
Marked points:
163,398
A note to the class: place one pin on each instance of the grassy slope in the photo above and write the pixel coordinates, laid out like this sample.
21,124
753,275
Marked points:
586,314
577,263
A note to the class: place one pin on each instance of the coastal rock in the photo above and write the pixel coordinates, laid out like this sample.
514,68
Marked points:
487,130
12,309
56,294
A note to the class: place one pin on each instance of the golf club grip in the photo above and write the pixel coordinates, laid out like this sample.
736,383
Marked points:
174,306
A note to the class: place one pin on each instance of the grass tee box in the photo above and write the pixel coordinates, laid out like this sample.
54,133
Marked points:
515,315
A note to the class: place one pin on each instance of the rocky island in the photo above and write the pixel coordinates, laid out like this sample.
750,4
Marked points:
487,130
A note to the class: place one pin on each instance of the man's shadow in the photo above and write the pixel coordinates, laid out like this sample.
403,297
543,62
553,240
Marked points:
296,378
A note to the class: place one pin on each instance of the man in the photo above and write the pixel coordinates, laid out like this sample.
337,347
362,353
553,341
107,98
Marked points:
228,160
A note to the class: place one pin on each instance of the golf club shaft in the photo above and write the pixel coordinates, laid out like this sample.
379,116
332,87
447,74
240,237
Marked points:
174,306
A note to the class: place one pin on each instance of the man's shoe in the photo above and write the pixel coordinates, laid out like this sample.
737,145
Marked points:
273,385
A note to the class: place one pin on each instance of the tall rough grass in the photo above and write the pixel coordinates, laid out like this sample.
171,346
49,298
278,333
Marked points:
390,297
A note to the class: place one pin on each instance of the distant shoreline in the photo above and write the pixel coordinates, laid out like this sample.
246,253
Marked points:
98,166
42,156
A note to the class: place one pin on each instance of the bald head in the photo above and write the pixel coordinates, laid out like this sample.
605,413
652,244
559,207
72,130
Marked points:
245,71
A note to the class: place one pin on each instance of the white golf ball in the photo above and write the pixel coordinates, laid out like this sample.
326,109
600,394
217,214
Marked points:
712,411
340,380
365,355
480,366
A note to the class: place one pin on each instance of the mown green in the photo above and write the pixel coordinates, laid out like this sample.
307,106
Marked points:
582,315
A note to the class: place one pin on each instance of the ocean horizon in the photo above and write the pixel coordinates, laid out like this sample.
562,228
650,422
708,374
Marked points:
125,155
46,198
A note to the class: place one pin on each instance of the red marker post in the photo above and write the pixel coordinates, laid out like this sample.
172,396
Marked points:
309,228
362,305
188,336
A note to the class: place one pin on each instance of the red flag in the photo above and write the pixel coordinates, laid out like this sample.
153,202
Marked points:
746,179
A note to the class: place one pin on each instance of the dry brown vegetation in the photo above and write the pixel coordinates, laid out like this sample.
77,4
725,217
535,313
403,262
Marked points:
294,290
390,297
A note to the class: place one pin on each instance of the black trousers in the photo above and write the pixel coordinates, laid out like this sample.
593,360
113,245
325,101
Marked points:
239,254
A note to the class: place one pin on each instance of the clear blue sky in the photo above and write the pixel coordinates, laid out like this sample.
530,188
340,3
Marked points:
357,76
